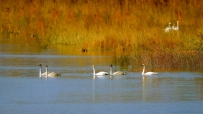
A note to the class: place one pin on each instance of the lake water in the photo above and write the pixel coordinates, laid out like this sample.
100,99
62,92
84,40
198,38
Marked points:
76,91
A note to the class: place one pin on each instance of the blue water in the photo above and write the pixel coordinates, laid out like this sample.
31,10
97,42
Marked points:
76,91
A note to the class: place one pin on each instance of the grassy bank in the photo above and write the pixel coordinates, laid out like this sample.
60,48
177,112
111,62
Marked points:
131,26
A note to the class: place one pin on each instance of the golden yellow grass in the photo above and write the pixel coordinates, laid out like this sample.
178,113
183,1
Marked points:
133,26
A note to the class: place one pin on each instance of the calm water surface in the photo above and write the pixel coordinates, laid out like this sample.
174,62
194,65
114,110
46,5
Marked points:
76,91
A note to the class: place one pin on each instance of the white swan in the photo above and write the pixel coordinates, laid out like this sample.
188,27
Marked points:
148,73
177,27
116,73
168,28
40,71
173,25
52,74
102,73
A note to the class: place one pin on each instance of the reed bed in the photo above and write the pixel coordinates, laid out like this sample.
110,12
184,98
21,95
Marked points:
133,27
167,61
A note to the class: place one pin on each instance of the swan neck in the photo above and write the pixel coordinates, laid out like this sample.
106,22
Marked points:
93,71
40,70
110,70
143,70
46,71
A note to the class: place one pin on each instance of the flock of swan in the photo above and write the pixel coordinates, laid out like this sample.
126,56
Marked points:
101,73
169,28
46,73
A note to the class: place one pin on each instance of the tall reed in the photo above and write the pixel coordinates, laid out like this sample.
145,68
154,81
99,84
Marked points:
119,25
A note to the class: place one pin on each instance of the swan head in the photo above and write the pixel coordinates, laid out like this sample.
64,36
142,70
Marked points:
177,23
111,65
40,65
142,65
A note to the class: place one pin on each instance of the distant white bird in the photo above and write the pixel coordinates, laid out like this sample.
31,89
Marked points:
116,73
148,73
102,73
52,74
168,28
177,27
173,25
40,71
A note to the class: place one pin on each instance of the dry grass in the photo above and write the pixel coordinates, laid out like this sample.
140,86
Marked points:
121,25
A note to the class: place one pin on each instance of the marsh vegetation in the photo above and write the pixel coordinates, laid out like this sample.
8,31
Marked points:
133,29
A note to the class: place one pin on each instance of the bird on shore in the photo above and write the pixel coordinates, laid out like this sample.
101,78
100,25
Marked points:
173,25
84,50
168,28
148,73
102,73
177,27
117,72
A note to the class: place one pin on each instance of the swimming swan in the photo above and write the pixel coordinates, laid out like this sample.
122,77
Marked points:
40,71
102,73
168,28
116,73
52,74
148,73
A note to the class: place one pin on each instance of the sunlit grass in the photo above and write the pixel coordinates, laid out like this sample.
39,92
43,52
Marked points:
125,26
